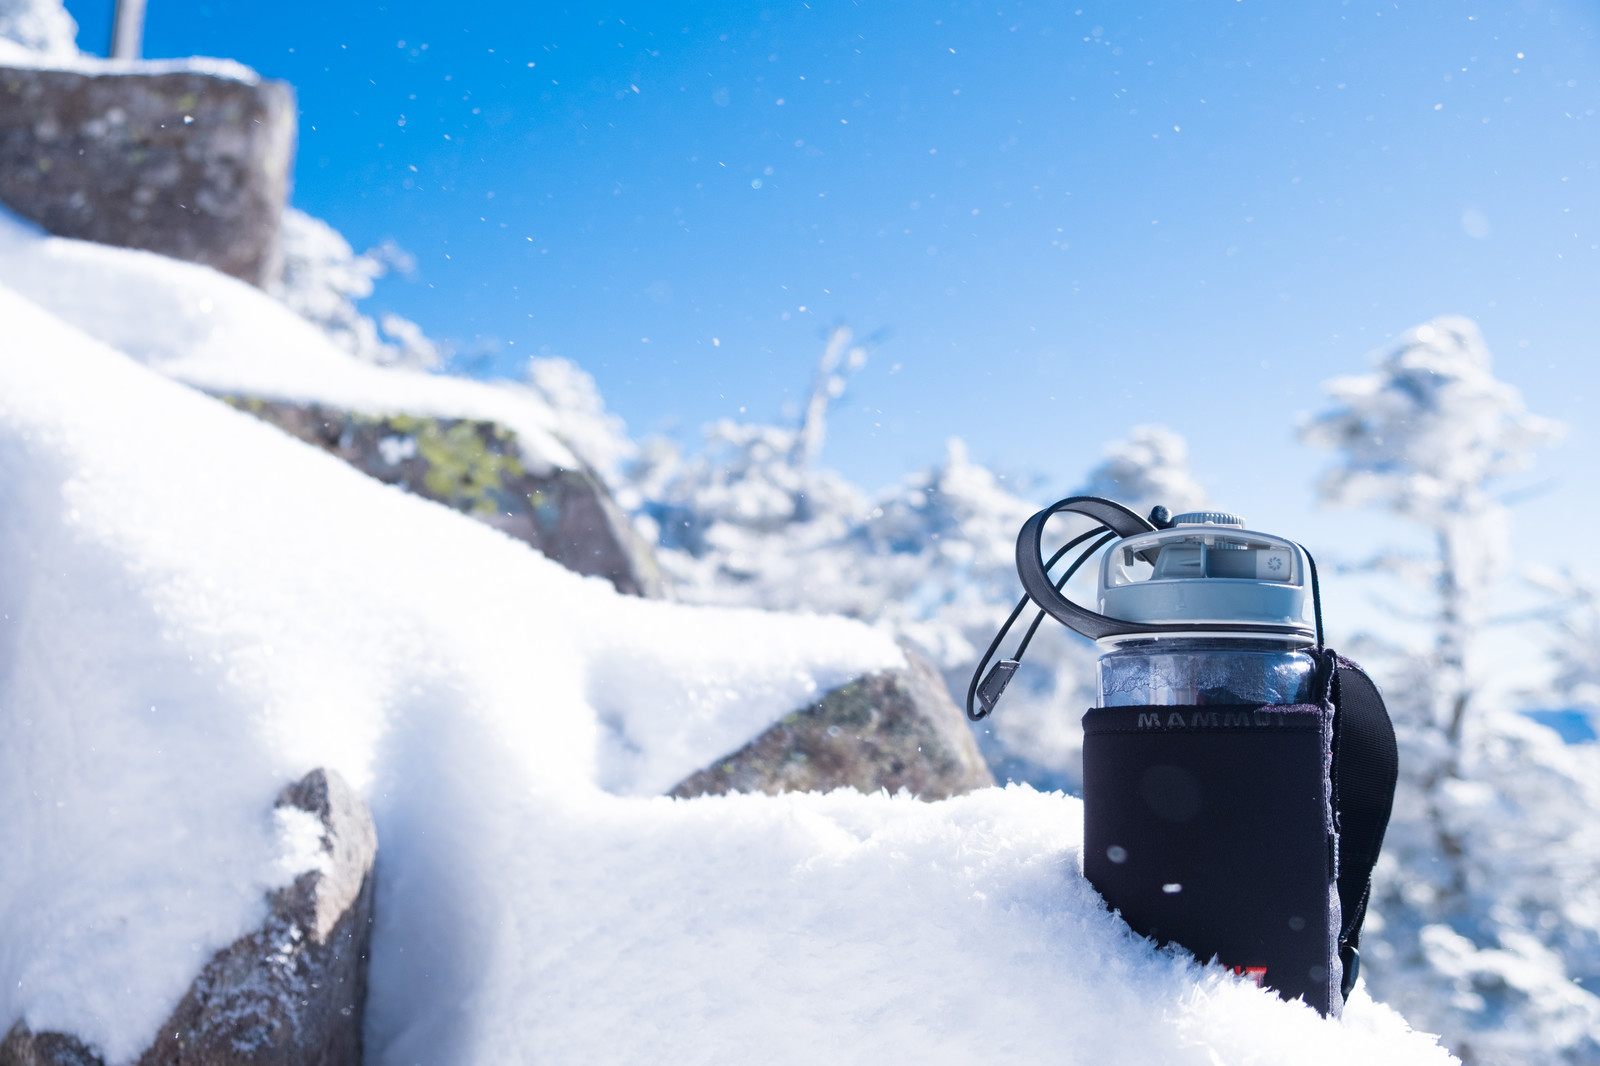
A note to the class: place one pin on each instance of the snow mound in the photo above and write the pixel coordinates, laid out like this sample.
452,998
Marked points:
197,609
50,56
221,335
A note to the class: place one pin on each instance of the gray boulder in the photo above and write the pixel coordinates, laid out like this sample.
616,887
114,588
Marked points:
291,993
477,468
24,1048
191,165
892,730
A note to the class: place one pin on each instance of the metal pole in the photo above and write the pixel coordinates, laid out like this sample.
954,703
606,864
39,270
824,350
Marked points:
127,29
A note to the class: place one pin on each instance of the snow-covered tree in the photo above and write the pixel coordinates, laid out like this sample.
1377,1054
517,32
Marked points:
1576,652
40,26
747,521
1485,921
322,280
753,520
1150,468
597,436
1426,436
826,388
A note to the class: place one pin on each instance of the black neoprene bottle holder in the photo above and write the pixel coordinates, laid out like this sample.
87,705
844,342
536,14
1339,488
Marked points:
1246,832
1213,827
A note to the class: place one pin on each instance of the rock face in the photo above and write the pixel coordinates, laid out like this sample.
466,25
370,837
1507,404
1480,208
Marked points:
476,467
893,730
24,1048
191,165
293,992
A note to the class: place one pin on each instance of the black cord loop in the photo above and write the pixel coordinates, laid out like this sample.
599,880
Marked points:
995,682
1113,521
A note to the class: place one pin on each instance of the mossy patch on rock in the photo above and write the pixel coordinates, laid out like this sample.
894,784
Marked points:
477,467
469,465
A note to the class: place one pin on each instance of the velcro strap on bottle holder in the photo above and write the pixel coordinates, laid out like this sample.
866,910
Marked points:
1366,766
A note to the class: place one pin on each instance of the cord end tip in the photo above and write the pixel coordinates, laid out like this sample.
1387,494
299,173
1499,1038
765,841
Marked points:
994,684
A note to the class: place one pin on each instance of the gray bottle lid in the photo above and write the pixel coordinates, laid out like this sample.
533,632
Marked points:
1206,568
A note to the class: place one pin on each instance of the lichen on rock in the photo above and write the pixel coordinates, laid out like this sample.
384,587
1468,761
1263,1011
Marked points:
477,467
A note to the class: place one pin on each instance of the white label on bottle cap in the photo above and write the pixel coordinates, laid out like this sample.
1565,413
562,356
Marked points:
1274,566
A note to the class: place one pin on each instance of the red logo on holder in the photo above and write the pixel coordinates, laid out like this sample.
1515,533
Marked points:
1258,974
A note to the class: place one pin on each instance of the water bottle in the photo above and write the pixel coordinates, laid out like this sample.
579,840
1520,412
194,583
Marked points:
1205,568
1210,813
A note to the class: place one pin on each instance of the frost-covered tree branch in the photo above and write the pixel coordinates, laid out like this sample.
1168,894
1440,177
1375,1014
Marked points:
1151,467
826,388
42,26
322,280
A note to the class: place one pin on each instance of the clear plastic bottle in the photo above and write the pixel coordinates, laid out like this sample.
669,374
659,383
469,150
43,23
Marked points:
1189,671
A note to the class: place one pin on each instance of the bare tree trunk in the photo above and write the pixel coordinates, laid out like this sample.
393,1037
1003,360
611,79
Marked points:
1457,618
127,30
1452,692
824,390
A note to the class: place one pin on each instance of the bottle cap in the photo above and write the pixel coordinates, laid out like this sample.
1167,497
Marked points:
1208,518
1207,568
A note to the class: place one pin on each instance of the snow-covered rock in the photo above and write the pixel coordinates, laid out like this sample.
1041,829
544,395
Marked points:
232,340
218,334
290,992
932,559
43,34
892,730
478,469
185,163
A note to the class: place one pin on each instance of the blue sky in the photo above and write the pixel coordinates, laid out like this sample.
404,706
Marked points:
1059,220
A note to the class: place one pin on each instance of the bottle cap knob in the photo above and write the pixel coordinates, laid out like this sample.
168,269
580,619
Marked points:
1208,518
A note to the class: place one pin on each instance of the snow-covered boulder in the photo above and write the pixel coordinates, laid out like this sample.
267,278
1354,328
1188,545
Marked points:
893,730
498,451
478,468
188,162
292,991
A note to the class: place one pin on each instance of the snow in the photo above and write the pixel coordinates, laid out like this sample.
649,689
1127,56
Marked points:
219,334
165,675
15,54
198,609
